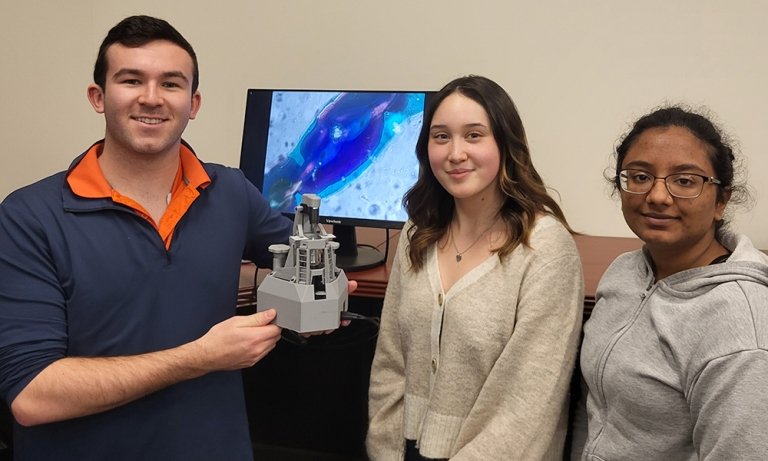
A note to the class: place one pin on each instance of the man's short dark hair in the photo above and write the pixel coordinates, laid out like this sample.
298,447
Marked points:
135,31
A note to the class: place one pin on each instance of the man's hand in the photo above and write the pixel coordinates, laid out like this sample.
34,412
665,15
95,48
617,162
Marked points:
78,386
351,287
239,342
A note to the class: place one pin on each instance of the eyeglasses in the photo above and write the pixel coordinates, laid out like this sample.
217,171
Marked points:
680,185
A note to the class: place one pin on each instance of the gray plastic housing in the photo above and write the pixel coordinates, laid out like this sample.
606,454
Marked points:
305,287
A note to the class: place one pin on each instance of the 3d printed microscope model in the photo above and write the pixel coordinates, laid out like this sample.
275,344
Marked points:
305,287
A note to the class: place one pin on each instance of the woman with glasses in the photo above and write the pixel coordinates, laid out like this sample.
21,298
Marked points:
675,352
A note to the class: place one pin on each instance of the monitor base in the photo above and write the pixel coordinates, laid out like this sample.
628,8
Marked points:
366,258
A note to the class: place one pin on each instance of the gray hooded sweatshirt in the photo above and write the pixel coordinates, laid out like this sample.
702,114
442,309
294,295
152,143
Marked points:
678,369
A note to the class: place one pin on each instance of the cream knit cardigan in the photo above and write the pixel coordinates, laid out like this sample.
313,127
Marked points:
481,372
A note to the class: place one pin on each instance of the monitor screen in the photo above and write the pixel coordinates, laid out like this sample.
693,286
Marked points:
355,149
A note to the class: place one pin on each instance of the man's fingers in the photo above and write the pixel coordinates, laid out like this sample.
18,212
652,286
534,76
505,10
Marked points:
259,319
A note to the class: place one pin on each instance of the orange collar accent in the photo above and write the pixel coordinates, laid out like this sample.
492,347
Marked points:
87,180
193,171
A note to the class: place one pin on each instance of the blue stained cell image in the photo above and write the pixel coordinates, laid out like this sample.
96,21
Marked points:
356,150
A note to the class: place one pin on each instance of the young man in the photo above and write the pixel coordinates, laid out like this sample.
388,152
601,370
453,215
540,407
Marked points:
119,277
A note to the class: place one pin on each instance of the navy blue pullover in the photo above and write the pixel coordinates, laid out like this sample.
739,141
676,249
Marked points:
88,277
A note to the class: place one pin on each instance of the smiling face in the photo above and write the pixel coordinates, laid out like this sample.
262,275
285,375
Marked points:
463,153
663,222
147,100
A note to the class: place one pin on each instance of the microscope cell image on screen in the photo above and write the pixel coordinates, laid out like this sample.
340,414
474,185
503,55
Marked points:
356,150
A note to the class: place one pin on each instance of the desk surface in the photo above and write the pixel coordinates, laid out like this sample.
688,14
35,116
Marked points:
596,254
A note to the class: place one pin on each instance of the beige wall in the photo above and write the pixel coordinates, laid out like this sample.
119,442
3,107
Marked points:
580,72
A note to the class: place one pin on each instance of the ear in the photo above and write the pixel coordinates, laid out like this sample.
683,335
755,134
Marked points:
197,100
720,205
96,97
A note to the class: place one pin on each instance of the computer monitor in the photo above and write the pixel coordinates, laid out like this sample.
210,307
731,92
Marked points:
355,149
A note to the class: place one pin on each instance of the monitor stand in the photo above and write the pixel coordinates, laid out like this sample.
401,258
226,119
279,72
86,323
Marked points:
352,257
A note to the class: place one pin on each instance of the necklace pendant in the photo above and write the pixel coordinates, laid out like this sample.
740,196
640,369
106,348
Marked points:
458,258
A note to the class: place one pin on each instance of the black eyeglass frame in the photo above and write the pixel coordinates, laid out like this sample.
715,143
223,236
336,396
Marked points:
623,184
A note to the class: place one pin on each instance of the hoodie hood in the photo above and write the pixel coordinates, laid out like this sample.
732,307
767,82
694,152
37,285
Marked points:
746,264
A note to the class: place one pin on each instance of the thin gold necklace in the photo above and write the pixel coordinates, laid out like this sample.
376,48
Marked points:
453,241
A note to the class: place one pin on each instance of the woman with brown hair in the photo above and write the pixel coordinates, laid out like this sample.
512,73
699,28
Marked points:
483,309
